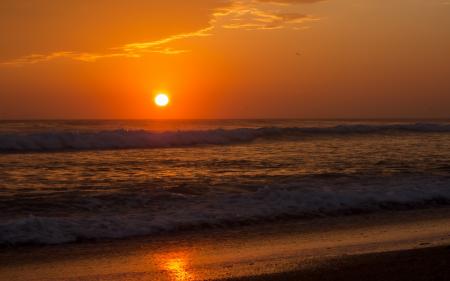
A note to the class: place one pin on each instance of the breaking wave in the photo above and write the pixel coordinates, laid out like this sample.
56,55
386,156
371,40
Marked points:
128,139
190,211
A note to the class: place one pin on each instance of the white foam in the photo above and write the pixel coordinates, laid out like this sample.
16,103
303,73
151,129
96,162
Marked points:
123,139
225,209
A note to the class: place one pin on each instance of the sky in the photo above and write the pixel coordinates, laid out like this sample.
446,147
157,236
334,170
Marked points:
106,59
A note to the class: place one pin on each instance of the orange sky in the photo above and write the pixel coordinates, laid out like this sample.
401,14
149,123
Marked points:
225,58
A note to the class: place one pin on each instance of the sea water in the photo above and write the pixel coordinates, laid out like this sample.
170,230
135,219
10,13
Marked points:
66,181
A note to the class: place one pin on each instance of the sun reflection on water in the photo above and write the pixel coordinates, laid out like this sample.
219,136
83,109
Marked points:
177,266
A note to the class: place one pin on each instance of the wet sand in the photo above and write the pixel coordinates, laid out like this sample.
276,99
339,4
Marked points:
400,245
409,265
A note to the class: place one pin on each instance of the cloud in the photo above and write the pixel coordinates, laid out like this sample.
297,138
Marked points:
156,46
131,50
236,14
291,1
249,15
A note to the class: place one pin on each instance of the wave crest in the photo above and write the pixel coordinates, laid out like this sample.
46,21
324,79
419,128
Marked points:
127,139
193,212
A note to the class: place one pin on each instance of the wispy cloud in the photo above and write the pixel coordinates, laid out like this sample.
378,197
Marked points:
157,46
253,16
237,14
291,1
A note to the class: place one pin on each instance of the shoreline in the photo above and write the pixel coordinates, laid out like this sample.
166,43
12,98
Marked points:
424,264
257,251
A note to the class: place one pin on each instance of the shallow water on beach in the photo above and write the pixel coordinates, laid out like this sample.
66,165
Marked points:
63,181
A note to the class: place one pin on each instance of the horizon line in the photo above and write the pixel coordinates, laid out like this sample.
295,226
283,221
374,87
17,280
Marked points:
230,119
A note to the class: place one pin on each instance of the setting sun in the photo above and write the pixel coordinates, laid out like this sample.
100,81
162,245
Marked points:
162,100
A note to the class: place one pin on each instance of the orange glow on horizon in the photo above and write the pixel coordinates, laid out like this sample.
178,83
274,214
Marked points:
224,59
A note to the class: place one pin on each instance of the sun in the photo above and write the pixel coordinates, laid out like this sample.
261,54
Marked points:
162,100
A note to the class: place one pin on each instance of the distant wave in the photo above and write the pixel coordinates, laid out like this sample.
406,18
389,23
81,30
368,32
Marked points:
277,201
127,139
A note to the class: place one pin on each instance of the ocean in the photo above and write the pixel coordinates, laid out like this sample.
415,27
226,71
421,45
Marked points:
68,181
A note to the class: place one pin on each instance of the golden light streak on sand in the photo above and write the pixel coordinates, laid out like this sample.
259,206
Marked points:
177,265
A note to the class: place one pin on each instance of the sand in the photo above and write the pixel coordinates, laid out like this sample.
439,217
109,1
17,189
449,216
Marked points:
413,265
401,245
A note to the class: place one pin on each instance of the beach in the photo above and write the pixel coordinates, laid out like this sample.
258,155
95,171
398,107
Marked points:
224,140
223,199
419,264
400,245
